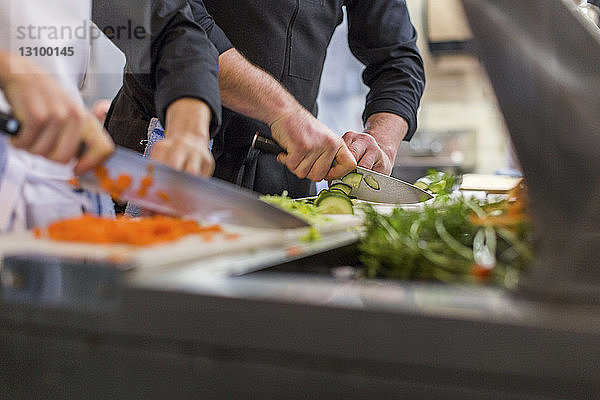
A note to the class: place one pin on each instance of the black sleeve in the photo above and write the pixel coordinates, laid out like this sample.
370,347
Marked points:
215,34
382,37
176,60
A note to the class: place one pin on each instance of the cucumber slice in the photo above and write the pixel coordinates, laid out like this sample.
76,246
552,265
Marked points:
345,188
353,179
371,182
323,192
334,203
421,185
336,190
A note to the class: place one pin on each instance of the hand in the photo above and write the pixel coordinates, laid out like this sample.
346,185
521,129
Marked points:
311,147
367,152
377,146
185,146
53,124
100,109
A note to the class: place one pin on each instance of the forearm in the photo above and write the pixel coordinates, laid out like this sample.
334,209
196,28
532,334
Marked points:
250,91
388,130
188,116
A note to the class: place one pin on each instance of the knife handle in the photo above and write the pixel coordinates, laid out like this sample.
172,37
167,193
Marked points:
266,145
9,125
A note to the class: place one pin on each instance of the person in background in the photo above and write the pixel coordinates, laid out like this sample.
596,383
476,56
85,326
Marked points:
288,39
42,92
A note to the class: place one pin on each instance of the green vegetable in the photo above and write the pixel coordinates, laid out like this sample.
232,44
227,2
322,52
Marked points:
441,243
371,182
341,186
353,179
304,209
436,182
330,202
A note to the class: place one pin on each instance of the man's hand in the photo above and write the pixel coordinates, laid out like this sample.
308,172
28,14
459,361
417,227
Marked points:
185,146
53,125
311,147
376,148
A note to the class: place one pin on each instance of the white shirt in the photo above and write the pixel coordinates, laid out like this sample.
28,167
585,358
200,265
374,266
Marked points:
33,190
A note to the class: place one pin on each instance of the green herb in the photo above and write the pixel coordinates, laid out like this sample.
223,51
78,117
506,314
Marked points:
437,182
442,243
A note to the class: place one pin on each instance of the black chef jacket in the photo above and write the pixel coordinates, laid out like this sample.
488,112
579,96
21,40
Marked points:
289,39
183,64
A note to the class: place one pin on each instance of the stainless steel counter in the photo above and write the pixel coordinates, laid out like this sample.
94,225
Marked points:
190,333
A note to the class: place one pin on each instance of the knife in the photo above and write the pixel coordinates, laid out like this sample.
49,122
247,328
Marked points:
373,186
179,194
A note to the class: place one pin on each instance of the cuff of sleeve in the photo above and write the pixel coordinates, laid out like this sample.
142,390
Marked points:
393,107
219,39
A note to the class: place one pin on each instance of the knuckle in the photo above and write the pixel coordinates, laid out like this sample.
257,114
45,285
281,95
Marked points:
301,172
38,118
303,147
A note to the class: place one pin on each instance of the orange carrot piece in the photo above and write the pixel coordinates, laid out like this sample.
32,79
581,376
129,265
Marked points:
164,196
135,231
74,182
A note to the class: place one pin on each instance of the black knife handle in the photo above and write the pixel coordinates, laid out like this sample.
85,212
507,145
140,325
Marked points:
9,124
266,145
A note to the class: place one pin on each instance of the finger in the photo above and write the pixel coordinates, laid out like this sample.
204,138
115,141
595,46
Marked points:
46,139
192,164
381,167
98,143
321,167
208,165
370,158
294,159
345,162
68,141
358,147
282,158
166,153
306,164
35,115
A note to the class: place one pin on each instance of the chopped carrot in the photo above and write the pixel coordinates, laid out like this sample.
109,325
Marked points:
164,196
123,181
101,172
37,232
135,231
142,192
145,183
74,182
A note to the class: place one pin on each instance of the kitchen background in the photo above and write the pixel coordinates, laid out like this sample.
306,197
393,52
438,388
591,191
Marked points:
460,126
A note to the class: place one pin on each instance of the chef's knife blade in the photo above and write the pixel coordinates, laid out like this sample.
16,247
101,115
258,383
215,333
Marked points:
176,193
180,194
391,190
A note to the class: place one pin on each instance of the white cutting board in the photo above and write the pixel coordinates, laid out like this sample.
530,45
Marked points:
189,248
